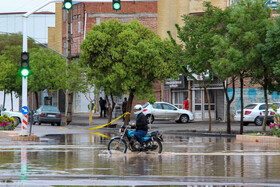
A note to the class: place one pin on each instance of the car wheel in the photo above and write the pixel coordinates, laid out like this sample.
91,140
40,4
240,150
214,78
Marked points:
184,118
150,118
58,124
52,124
39,123
17,121
258,122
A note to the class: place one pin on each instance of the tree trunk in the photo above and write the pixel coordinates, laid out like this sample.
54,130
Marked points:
110,109
12,103
209,109
68,108
229,101
4,99
128,108
242,105
37,100
266,108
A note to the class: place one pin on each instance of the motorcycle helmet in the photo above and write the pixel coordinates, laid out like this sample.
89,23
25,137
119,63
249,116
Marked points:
137,109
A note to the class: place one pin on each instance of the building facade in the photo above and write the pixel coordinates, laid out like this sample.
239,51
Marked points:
169,14
83,16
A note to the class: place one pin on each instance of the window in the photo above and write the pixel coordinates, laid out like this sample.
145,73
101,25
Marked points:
65,48
262,107
79,27
157,106
168,107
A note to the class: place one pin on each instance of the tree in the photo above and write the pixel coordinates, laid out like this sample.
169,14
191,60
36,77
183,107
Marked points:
196,36
47,71
126,58
10,50
247,25
269,75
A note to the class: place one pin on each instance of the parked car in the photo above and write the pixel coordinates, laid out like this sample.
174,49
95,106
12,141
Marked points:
47,114
252,112
270,116
166,111
16,115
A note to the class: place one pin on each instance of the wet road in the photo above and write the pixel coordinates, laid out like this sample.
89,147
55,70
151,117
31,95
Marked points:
82,159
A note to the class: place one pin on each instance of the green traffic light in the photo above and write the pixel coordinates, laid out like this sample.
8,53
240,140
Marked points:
24,72
116,6
68,5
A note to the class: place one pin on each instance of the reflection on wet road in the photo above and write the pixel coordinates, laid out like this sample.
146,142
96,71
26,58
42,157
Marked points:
186,160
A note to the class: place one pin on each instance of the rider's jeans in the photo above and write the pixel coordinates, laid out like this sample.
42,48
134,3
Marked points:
139,134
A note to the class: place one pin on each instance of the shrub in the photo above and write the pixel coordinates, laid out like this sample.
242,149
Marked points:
7,123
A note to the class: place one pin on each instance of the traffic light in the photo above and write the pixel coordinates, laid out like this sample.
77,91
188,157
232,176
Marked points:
116,4
24,64
67,4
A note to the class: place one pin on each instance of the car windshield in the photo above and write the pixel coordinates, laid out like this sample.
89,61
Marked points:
251,106
50,108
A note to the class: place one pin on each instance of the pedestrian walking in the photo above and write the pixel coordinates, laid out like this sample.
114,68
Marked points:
102,104
124,104
186,104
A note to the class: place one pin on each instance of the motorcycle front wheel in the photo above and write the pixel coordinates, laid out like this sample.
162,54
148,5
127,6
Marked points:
117,145
155,146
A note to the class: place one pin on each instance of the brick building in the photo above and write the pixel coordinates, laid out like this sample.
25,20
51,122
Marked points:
83,16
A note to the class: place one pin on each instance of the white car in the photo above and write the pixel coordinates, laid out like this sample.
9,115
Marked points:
16,115
251,113
166,111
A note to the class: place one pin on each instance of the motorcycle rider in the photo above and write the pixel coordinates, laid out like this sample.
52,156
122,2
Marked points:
141,124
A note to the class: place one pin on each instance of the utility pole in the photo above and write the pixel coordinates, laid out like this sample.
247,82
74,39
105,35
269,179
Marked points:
69,95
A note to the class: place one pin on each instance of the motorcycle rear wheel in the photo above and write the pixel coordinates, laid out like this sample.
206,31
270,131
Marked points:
117,145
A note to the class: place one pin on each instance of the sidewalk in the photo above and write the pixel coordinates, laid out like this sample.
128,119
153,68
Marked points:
202,127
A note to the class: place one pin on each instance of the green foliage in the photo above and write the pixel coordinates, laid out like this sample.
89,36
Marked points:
197,37
126,58
236,49
10,50
47,70
7,123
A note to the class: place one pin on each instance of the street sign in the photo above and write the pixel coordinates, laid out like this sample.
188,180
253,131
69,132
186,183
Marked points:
92,106
24,110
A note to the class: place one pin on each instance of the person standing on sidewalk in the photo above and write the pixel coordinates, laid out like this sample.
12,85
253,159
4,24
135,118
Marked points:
124,104
102,104
186,104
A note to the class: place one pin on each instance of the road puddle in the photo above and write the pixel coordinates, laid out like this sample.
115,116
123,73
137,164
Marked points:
185,160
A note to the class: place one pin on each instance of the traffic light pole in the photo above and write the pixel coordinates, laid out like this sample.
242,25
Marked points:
24,78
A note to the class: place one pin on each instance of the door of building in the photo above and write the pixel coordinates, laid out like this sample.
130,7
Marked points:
200,107
178,98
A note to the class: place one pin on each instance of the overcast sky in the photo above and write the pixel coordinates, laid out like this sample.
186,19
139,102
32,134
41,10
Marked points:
24,5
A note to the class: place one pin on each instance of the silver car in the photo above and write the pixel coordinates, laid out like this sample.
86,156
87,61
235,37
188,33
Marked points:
166,111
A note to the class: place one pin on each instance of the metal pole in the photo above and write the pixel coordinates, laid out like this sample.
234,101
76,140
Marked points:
24,79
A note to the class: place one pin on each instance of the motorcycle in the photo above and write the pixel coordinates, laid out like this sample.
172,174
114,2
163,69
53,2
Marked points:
152,142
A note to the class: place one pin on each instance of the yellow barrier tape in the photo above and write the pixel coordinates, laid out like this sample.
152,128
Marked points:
101,126
100,134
